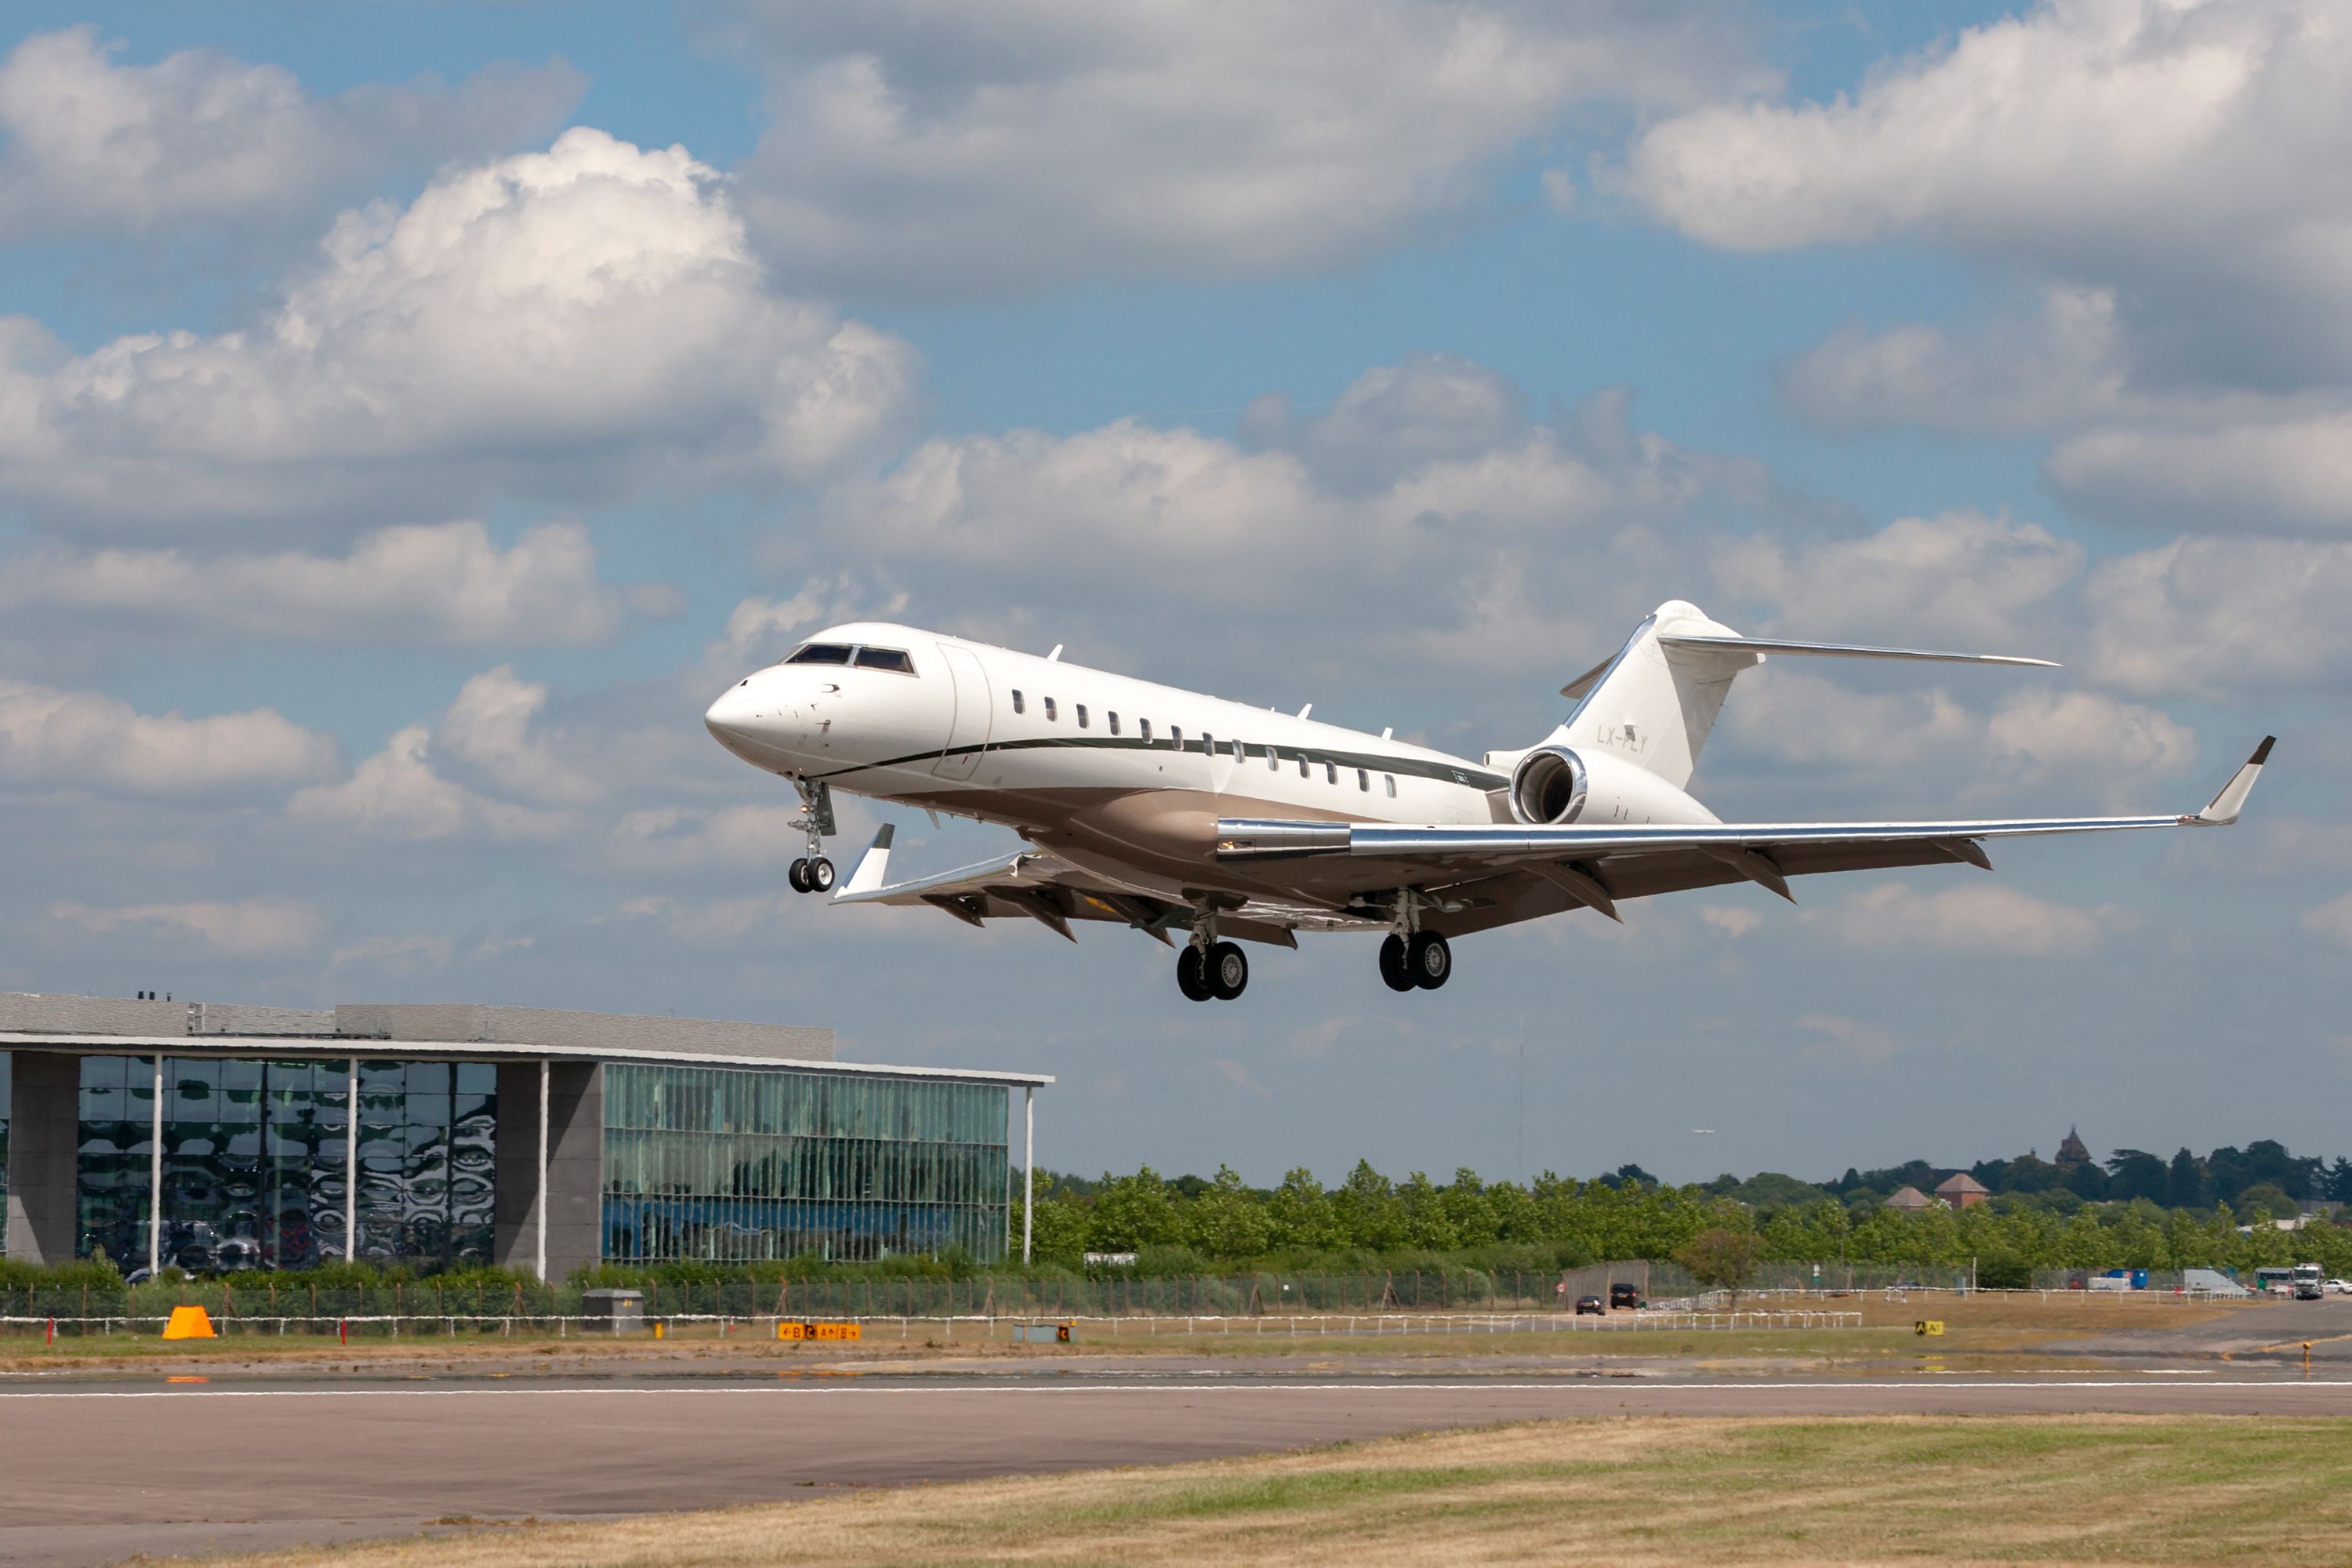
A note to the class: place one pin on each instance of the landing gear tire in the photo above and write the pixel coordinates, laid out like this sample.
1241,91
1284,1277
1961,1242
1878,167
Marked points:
1392,965
798,876
1429,959
1191,975
819,878
1226,970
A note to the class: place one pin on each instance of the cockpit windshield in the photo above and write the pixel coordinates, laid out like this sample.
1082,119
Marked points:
819,653
885,658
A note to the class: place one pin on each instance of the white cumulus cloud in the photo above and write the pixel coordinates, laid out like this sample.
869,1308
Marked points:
247,927
91,146
1984,919
574,321
926,148
87,740
429,584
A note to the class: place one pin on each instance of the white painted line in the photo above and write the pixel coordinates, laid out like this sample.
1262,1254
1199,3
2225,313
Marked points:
1614,1386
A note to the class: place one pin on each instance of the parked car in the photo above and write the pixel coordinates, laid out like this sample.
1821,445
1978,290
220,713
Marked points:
1591,1306
1624,1297
2338,1287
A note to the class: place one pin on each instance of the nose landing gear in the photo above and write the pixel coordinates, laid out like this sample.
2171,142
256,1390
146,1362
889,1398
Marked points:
812,873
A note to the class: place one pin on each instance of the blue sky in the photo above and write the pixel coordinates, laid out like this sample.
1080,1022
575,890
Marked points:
399,444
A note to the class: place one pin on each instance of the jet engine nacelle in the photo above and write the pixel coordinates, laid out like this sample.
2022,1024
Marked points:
1549,786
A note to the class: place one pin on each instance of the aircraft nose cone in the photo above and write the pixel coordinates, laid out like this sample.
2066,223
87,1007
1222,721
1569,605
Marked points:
730,718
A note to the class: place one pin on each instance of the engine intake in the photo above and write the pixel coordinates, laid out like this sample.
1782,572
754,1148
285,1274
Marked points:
1548,786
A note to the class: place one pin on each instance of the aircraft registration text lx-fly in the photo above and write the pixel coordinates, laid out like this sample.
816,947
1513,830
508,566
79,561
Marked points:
1169,811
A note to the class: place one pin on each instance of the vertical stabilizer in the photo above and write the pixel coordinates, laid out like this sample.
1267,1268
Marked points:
1653,705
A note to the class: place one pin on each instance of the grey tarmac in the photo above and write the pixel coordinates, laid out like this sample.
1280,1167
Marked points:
99,1469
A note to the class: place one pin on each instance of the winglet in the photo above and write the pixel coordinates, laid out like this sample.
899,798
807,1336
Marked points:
872,866
2226,805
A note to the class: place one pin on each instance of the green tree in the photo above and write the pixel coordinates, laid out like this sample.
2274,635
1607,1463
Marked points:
1721,1256
1133,1212
1226,1220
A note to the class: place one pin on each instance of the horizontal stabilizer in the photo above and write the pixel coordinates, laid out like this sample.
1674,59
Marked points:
1841,650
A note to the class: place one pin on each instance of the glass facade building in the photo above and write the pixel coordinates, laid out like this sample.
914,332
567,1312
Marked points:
727,1163
256,1161
734,1163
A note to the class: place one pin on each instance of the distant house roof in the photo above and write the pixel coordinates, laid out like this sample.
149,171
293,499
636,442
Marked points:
1962,1183
2071,1149
1906,1198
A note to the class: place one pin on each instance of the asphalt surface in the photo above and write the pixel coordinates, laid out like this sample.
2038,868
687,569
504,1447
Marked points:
98,1468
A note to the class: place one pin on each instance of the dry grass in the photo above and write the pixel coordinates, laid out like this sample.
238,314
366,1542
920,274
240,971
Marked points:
2190,1489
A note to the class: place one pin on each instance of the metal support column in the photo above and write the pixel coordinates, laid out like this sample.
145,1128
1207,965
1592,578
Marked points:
539,1266
155,1178
351,1165
1028,1164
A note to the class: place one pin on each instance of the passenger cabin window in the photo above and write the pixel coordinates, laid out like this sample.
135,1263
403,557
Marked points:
1272,763
1049,711
1143,728
1391,781
885,658
1330,773
819,653
1114,723
1302,764
1017,705
1364,779
1082,715
1208,745
1176,736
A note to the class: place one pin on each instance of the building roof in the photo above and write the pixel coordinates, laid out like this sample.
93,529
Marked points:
1960,1183
2071,1151
1905,1198
111,1025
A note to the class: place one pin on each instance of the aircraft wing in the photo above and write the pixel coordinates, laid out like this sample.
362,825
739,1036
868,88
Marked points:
1042,886
1496,873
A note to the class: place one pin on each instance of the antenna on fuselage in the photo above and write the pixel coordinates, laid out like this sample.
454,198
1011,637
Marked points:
1389,734
1054,655
1303,713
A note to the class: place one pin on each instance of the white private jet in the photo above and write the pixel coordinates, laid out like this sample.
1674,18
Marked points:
1165,810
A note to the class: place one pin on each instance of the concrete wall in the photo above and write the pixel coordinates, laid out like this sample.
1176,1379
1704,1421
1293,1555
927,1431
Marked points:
31,1013
44,1144
575,1167
614,1033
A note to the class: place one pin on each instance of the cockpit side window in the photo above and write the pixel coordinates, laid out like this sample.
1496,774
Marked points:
819,653
889,658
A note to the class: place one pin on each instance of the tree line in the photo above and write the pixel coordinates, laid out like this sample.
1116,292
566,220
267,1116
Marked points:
1194,1223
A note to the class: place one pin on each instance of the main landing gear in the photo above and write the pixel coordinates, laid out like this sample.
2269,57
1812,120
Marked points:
1423,960
812,873
1212,969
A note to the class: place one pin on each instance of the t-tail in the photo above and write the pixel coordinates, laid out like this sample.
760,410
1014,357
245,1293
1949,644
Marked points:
1655,701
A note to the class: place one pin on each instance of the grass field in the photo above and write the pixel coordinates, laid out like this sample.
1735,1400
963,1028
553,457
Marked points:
2181,1489
1977,1329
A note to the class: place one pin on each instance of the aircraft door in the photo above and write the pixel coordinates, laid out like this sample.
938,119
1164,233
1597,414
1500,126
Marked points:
973,714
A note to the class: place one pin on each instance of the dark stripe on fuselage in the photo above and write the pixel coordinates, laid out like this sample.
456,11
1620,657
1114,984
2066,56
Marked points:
1412,767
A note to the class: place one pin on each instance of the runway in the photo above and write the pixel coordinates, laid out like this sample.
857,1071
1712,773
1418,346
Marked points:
98,1470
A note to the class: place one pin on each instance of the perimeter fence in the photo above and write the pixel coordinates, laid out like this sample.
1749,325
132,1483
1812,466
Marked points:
259,1303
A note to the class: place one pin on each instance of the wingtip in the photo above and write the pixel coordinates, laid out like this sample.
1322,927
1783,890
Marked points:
2226,805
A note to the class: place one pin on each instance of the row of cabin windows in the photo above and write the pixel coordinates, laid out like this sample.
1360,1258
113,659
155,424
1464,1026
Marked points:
1209,745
